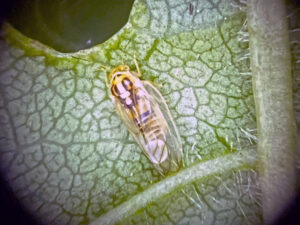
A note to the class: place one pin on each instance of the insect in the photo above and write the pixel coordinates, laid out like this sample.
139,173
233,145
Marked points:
145,113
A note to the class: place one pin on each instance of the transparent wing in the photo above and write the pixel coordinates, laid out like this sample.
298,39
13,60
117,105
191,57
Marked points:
157,99
124,114
173,141
128,120
159,108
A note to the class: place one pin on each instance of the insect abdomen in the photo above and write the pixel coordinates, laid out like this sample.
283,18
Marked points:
155,139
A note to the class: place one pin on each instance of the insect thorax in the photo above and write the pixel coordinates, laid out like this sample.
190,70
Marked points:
120,83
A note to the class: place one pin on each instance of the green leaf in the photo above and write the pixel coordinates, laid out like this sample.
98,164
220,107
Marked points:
69,158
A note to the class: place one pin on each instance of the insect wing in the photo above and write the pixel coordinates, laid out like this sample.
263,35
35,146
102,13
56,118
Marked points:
173,141
124,113
160,109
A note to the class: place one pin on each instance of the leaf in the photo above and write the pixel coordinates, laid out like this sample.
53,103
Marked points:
70,160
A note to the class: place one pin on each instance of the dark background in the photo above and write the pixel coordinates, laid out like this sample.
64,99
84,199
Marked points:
68,25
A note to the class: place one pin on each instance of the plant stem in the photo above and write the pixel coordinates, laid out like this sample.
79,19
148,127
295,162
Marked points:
272,84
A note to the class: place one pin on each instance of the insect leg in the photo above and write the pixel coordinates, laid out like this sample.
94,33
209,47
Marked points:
107,82
137,66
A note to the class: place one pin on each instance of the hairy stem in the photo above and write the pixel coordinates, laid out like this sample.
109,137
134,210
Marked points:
272,83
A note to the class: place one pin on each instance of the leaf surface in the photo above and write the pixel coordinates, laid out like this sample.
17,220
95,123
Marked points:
69,158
